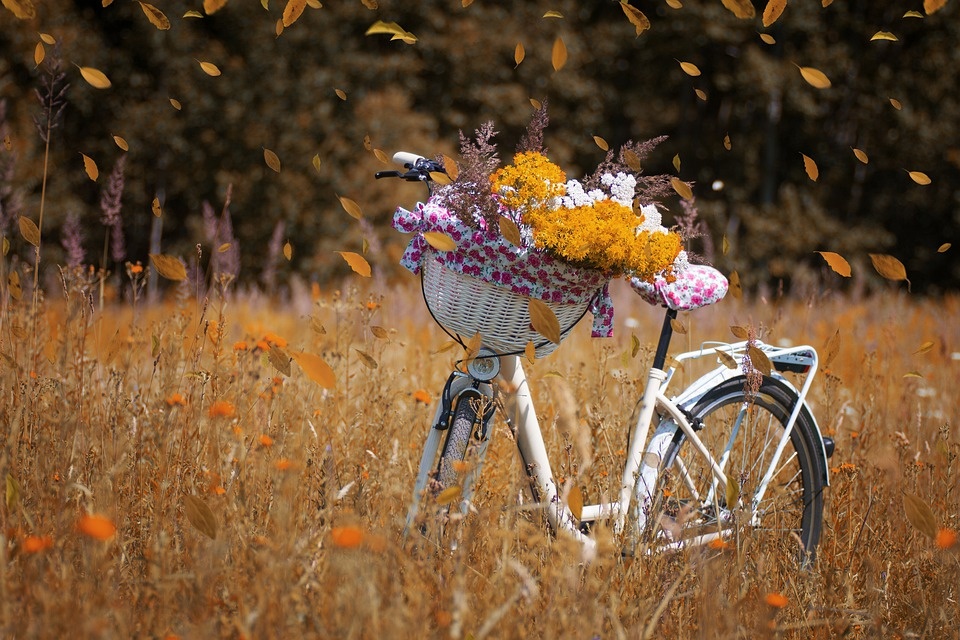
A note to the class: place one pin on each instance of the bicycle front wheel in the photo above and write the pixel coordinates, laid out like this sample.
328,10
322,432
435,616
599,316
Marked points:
743,433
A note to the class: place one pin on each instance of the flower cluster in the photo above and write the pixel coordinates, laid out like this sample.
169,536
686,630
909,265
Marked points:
607,222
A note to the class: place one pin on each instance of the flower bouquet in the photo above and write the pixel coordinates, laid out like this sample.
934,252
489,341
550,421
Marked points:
519,253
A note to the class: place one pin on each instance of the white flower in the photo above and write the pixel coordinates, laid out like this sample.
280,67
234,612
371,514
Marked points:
681,262
652,220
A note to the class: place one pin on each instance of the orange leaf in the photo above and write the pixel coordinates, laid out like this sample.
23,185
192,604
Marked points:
351,207
810,167
315,368
559,55
155,16
837,262
773,11
741,8
346,537
776,600
636,17
95,78
356,262
97,527
90,167
293,11
544,320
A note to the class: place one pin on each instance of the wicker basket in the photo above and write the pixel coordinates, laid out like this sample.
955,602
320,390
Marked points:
465,306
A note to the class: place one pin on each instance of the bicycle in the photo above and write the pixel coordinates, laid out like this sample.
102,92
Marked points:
730,451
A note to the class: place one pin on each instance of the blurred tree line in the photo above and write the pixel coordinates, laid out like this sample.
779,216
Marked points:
323,89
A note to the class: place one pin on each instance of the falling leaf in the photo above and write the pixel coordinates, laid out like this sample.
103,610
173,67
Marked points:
200,516
690,69
930,7
815,78
773,11
832,349
315,368
176,104
38,54
544,320
919,177
575,502
351,207
448,495
701,94
883,35
95,78
896,104
356,262
13,492
13,281
682,188
90,167
600,142
367,360
837,262
393,29
341,94
559,55
861,156
450,167
210,7
925,347
553,14
739,332
193,13
724,245
676,163
913,14
287,251
29,230
510,231
21,9
726,142
741,8
293,11
636,17
733,491
530,351
944,247
735,289
440,241
170,267
272,160
889,267
912,374
47,38
155,207
727,360
675,4
678,327
759,360
920,515
518,53
316,162
810,167
536,104
440,177
632,160
767,38
155,16
120,142
97,527
209,68
280,359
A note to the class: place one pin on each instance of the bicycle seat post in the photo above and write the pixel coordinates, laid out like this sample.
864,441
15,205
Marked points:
666,333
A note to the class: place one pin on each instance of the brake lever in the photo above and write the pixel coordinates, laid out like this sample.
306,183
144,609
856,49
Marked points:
387,174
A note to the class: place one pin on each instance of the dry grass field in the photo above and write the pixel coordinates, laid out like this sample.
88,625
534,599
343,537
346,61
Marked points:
170,472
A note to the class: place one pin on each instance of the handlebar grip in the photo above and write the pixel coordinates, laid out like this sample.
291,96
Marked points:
407,159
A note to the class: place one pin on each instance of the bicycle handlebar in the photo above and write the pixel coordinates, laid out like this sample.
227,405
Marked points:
418,168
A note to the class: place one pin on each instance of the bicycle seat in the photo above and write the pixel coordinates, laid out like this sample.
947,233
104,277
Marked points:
698,285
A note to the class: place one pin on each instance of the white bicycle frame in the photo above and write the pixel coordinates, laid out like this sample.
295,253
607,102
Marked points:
639,478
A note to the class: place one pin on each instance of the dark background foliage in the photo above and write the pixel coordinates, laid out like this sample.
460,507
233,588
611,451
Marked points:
279,93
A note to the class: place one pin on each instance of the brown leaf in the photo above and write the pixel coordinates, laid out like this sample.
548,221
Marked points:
316,162
741,8
600,142
677,326
450,167
39,53
759,360
200,516
920,515
690,69
836,262
448,495
727,360
558,56
544,320
95,78
170,267
575,502
510,231
120,142
440,177
861,156
13,284
293,11
889,267
810,167
21,9
883,35
636,17
530,351
944,247
155,207
832,349
440,241
340,93
272,160
815,78
740,332
155,16
632,160
90,167
735,289
351,207
518,53
773,11
29,231
732,492
925,347
315,368
932,6
288,251
279,359
212,6
356,262
920,177
367,360
209,68
682,188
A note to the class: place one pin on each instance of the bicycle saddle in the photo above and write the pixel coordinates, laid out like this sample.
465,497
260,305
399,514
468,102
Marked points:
698,285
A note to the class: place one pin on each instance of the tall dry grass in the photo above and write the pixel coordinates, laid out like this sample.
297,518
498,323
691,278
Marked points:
249,501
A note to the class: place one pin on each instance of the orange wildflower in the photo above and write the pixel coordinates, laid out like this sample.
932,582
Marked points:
946,539
274,339
346,537
36,544
421,395
266,440
136,268
283,464
240,345
97,527
175,399
222,409
718,544
776,600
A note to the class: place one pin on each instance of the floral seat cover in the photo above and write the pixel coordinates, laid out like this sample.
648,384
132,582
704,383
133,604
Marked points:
697,285
484,254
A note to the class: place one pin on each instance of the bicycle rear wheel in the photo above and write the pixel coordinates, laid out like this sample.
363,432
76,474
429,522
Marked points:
742,434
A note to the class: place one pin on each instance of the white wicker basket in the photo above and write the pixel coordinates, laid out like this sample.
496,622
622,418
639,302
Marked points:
465,306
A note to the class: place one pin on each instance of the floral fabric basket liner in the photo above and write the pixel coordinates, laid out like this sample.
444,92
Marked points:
484,254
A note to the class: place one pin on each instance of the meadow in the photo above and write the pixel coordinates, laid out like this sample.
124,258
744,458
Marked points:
239,466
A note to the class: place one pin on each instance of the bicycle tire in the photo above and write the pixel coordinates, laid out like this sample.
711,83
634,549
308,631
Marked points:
462,426
791,509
